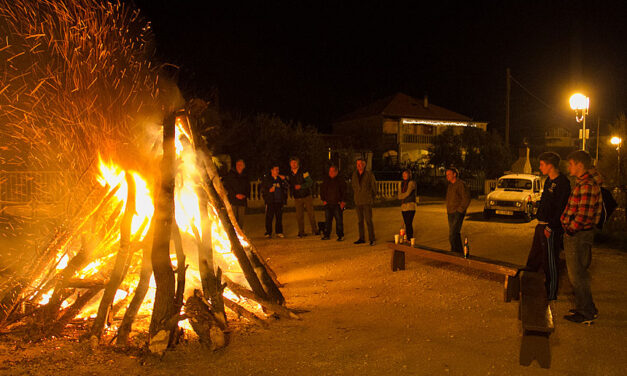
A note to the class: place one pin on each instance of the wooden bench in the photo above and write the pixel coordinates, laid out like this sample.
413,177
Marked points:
510,271
536,319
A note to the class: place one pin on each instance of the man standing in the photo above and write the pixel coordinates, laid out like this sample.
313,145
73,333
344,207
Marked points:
581,215
300,185
457,201
365,189
548,236
275,195
238,188
333,196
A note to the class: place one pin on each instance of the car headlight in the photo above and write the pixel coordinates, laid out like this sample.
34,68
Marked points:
492,203
518,204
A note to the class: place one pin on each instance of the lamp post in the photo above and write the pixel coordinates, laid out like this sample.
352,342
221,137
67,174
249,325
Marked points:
618,142
580,104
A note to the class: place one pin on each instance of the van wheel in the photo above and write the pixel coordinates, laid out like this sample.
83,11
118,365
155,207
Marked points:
487,214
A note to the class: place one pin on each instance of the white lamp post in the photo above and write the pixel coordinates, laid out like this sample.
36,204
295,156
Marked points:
618,142
580,103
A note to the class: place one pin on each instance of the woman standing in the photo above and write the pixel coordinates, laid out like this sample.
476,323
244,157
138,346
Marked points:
407,195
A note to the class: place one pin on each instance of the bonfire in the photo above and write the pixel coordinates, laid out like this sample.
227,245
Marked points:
129,242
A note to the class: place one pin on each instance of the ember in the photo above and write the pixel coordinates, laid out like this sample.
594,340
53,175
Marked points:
80,95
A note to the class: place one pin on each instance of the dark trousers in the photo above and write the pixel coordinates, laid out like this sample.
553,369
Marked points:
364,214
454,227
543,255
274,211
408,218
330,212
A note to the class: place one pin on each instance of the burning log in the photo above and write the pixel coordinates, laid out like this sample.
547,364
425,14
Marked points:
243,312
121,262
163,308
203,321
270,306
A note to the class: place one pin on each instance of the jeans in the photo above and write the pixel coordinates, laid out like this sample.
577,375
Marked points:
330,212
364,213
408,218
302,204
274,211
578,252
454,227
239,212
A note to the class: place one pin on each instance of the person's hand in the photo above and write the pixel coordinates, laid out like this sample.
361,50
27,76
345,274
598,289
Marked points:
547,233
240,196
297,187
272,189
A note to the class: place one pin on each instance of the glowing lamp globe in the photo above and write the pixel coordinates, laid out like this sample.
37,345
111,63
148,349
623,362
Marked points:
579,102
616,141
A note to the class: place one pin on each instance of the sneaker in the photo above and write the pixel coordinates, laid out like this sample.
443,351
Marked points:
359,241
280,235
595,314
579,318
340,238
325,238
372,242
266,235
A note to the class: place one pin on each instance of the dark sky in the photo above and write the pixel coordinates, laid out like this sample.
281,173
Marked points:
315,62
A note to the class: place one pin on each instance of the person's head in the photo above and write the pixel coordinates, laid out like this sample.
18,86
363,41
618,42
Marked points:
294,163
361,165
240,166
333,171
579,162
451,174
406,174
549,161
274,171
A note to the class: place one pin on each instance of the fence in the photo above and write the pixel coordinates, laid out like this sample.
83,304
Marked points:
386,190
27,188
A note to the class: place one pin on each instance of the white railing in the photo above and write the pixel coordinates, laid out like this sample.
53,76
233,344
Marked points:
386,190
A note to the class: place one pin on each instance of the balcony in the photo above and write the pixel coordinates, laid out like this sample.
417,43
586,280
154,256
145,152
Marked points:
418,139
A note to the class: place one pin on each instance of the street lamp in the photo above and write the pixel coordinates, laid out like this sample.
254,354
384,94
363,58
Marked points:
580,104
618,142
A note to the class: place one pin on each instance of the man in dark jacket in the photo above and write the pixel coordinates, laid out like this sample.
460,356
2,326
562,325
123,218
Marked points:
548,236
238,188
333,196
300,185
365,190
274,189
457,201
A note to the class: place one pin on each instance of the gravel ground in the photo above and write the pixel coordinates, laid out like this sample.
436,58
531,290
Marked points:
363,319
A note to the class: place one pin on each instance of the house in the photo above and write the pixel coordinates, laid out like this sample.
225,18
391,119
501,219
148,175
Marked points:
400,128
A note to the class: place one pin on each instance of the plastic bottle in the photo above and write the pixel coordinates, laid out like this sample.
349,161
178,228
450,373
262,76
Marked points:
466,248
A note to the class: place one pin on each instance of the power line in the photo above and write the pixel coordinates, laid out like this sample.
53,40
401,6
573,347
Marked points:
537,97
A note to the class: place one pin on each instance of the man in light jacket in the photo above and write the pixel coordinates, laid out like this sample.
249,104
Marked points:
365,189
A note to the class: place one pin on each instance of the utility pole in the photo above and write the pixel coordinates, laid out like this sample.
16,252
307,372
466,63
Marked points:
507,91
596,162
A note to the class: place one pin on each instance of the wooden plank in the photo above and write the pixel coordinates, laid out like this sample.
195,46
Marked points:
535,311
536,346
398,260
474,262
512,288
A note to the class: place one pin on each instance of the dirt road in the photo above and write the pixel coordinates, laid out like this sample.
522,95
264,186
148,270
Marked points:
363,319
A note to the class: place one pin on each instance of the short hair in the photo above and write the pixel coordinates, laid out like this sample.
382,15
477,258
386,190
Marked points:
294,159
334,167
581,156
239,160
273,165
361,159
550,158
455,170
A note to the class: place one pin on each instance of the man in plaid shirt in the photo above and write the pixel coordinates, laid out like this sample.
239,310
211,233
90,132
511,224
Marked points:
579,219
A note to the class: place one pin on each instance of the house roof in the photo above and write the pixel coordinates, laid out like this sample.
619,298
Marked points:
402,105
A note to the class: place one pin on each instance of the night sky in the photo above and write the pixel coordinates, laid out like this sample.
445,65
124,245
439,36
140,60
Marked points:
313,63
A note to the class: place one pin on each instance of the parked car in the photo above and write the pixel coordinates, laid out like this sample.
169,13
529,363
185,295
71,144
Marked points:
515,194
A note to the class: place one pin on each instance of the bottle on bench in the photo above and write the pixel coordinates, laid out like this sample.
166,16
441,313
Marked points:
466,247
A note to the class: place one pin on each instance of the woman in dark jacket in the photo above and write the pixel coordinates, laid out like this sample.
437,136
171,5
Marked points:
407,195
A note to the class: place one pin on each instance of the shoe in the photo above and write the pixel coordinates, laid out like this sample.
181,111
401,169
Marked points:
325,238
340,238
316,232
267,235
579,318
280,235
372,242
359,241
301,235
595,314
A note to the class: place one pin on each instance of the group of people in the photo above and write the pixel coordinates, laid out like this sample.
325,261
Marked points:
566,217
333,193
